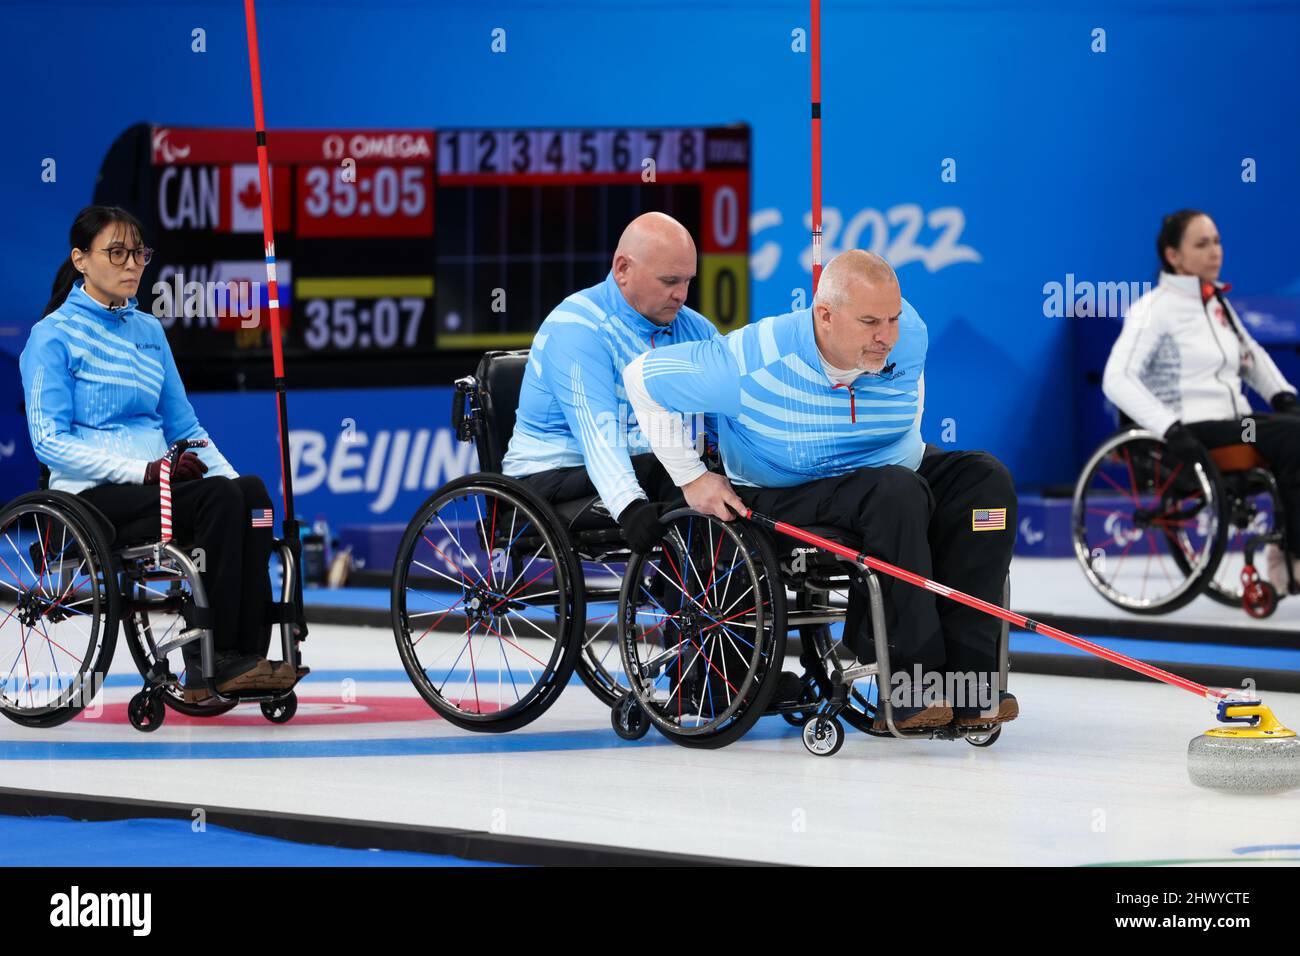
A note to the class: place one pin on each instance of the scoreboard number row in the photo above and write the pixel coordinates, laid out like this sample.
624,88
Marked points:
340,324
382,191
523,152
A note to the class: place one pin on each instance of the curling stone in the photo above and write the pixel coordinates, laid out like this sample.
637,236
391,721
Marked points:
1260,756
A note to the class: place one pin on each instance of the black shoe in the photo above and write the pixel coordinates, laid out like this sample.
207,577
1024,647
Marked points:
789,691
1008,709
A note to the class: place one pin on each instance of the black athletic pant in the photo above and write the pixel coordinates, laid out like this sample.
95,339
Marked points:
214,514
1277,438
973,561
570,484
921,521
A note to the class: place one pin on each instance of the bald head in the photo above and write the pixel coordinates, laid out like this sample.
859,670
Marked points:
844,274
856,311
654,265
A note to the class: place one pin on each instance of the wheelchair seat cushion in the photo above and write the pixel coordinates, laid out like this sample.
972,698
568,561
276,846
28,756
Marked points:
585,514
1239,457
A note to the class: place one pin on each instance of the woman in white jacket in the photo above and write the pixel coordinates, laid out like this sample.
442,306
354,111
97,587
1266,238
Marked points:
1179,362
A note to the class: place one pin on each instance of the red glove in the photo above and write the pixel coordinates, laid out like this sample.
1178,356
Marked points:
188,467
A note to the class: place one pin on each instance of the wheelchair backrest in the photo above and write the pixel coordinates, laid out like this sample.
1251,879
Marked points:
500,377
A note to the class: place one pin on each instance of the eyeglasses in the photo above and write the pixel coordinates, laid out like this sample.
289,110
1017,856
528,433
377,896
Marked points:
117,255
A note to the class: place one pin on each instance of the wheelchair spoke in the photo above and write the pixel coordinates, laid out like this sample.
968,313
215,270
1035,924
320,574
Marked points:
450,563
432,570
524,569
550,637
435,623
532,678
22,560
455,538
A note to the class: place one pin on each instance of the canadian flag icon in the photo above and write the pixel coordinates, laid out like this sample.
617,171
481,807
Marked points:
245,198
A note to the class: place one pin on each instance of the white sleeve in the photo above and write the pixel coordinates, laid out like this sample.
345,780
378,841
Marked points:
1120,381
666,431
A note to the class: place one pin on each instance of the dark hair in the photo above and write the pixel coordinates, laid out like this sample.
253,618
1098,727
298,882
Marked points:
88,224
1171,233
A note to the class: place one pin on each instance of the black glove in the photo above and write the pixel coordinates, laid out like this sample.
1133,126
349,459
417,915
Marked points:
1285,403
641,526
188,467
1183,443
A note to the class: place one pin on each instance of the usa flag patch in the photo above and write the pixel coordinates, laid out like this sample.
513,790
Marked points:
988,519
263,518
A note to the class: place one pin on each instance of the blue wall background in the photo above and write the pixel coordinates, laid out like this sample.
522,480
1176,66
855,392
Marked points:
1066,158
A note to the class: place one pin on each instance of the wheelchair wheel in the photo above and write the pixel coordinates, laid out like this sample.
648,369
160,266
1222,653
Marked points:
146,712
1149,528
58,608
702,629
280,711
628,719
599,663
823,736
984,739
486,592
156,596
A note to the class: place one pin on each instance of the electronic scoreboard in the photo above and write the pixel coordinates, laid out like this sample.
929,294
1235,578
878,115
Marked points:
403,254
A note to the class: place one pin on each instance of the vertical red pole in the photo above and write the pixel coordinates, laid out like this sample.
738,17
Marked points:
815,55
290,523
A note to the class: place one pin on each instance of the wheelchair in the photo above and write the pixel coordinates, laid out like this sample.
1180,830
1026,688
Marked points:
1152,531
498,596
703,623
67,580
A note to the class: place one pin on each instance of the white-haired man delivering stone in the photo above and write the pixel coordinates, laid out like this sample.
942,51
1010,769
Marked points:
819,421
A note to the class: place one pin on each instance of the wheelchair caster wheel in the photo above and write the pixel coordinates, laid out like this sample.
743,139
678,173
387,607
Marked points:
1259,598
146,712
280,711
628,719
985,738
823,736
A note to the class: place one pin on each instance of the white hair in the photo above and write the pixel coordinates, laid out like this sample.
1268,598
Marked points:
855,265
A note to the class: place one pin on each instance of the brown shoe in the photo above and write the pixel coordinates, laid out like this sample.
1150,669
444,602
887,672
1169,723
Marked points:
283,676
915,718
1008,709
242,672
196,695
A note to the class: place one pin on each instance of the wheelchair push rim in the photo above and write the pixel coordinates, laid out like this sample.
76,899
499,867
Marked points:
701,629
1147,526
58,611
485,598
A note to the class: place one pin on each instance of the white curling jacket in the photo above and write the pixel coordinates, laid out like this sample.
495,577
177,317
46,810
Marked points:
1182,356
